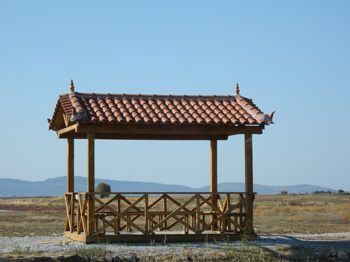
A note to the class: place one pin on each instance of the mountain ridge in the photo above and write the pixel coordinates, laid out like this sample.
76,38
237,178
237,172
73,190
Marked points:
57,187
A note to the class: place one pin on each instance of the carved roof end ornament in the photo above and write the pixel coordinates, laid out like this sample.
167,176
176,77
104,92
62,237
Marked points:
237,89
71,86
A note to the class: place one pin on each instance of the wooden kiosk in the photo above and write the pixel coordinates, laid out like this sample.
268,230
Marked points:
157,216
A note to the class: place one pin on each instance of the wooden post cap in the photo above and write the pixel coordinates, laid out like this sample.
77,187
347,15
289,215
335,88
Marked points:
71,86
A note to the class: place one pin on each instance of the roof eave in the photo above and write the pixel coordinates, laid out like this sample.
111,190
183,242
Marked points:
134,131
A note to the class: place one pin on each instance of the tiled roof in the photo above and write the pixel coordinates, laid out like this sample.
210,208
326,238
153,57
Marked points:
159,109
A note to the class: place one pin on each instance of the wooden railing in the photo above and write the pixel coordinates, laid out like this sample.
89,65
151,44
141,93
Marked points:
146,213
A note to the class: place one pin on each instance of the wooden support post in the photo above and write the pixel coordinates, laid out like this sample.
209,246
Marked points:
228,197
249,181
165,208
118,210
70,184
146,215
70,165
91,183
214,176
198,213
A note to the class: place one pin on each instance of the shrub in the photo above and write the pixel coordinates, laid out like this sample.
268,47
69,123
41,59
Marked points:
96,252
295,203
21,251
104,188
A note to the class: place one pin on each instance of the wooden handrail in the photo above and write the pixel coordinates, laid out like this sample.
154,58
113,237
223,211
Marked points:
168,193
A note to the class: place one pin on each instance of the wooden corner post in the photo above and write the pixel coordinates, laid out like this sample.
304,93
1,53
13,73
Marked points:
90,183
70,165
70,186
248,142
214,176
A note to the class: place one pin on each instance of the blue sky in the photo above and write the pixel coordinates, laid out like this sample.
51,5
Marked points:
289,56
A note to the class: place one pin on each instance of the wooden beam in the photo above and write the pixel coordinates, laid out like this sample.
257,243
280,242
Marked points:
248,148
159,237
69,129
145,136
66,120
168,129
168,193
214,175
91,183
156,132
70,165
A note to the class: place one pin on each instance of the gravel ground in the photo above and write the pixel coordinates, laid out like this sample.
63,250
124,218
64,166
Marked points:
61,245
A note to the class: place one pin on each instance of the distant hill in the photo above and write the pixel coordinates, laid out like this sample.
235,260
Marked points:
268,190
57,187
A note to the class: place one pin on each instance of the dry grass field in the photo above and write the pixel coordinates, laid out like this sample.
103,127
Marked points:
32,216
308,213
273,214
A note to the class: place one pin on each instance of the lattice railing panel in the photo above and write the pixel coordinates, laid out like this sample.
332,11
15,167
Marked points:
146,213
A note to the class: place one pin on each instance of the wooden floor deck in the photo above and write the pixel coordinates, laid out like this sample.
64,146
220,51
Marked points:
158,237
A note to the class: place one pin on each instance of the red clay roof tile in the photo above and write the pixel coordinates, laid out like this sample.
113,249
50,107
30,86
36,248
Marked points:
158,109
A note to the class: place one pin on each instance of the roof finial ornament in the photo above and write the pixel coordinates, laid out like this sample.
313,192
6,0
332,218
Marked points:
71,86
237,89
